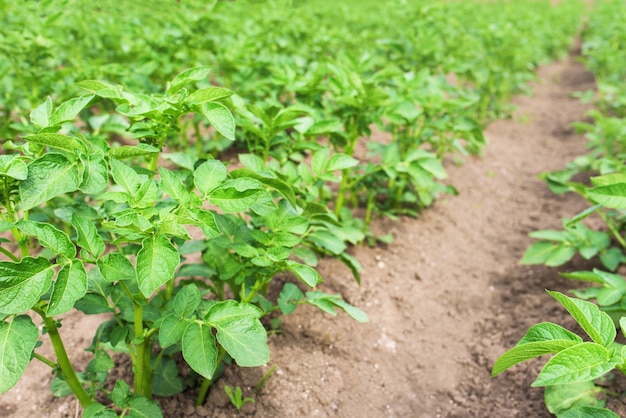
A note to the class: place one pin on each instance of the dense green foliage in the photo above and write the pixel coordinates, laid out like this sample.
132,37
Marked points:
569,376
119,196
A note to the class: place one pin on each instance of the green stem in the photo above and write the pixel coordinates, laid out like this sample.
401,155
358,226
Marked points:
341,196
143,379
9,254
206,383
199,147
63,360
368,211
169,289
614,231
45,360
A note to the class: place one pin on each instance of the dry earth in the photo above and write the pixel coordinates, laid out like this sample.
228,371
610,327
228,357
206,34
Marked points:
444,300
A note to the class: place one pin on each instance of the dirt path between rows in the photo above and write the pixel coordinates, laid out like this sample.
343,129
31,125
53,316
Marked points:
444,300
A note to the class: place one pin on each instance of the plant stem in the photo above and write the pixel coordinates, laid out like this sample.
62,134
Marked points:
342,193
63,360
368,211
614,231
9,254
142,382
206,383
45,360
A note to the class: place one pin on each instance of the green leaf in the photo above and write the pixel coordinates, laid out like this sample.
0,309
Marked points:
186,301
240,332
156,263
18,339
68,110
208,94
23,283
611,196
40,115
609,295
236,195
171,330
547,331
87,235
328,241
93,303
116,267
173,186
561,255
434,167
187,77
585,276
596,323
70,286
141,407
579,363
307,274
166,381
523,352
97,410
251,161
209,175
560,398
588,412
340,162
49,237
319,162
48,176
130,151
101,362
62,142
220,118
550,235
13,166
125,177
95,174
354,312
608,179
327,303
120,393
289,297
199,349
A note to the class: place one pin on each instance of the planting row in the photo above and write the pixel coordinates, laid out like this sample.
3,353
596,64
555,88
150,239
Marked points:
119,196
574,376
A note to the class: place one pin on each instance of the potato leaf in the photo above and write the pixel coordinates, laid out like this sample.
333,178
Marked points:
579,363
240,332
156,263
18,339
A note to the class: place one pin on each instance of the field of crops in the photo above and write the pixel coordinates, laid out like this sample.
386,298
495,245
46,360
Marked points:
188,190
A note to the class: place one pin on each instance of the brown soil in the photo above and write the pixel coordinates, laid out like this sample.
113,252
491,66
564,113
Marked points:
444,300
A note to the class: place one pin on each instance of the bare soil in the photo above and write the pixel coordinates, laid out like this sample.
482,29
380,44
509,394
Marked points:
444,300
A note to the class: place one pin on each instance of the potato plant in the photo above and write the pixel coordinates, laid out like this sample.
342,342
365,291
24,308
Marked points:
172,200
572,376
105,229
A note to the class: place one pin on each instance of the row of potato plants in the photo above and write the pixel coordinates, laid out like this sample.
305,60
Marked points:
118,196
575,377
